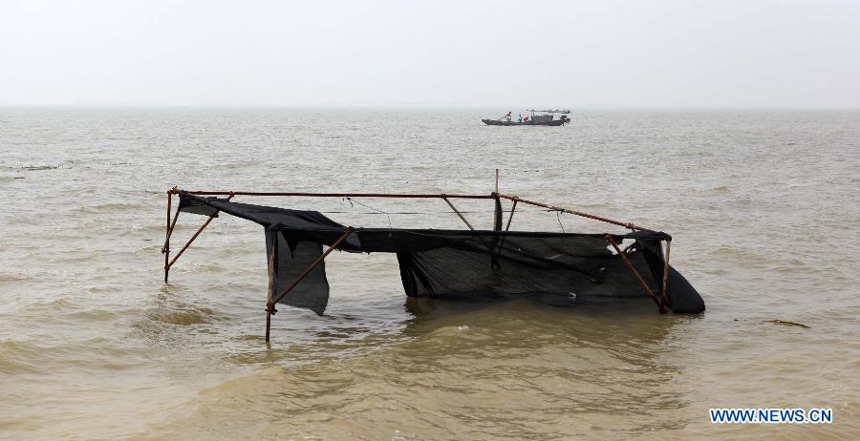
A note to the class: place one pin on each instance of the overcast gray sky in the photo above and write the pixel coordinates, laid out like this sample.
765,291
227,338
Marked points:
566,53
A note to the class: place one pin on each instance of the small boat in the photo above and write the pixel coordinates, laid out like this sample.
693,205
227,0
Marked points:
536,118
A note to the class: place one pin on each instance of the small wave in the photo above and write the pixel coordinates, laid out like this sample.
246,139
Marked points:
159,227
448,333
91,315
715,271
787,266
111,206
52,305
209,267
185,317
153,247
12,278
742,254
18,357
40,167
62,165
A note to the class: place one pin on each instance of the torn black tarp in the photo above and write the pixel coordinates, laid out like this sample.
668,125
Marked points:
459,263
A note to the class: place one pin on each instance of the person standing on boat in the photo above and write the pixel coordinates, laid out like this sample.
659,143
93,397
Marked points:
508,116
520,118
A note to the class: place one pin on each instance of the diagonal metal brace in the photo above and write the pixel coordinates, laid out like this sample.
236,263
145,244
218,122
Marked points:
632,269
199,230
463,218
270,306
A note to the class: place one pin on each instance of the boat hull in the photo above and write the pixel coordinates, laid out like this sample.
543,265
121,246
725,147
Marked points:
554,122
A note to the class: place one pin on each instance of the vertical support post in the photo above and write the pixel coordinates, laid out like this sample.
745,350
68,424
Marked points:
166,249
507,227
497,215
270,306
268,322
632,269
665,293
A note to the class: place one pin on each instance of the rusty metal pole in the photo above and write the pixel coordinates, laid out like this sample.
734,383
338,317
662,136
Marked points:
497,180
665,291
270,309
628,225
166,248
337,195
648,291
172,224
268,324
458,212
511,217
187,244
199,230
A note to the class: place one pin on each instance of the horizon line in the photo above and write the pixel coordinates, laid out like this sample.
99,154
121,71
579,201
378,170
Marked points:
415,106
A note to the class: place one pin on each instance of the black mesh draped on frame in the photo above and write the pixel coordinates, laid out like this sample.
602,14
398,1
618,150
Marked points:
459,263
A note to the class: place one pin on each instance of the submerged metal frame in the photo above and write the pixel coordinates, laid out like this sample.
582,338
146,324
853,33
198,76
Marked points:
662,302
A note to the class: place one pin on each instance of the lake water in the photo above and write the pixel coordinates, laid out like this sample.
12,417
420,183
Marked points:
763,207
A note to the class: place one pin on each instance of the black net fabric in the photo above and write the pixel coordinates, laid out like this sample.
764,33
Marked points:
287,261
460,263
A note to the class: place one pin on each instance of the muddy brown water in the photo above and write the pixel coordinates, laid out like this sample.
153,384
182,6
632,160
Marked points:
763,207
